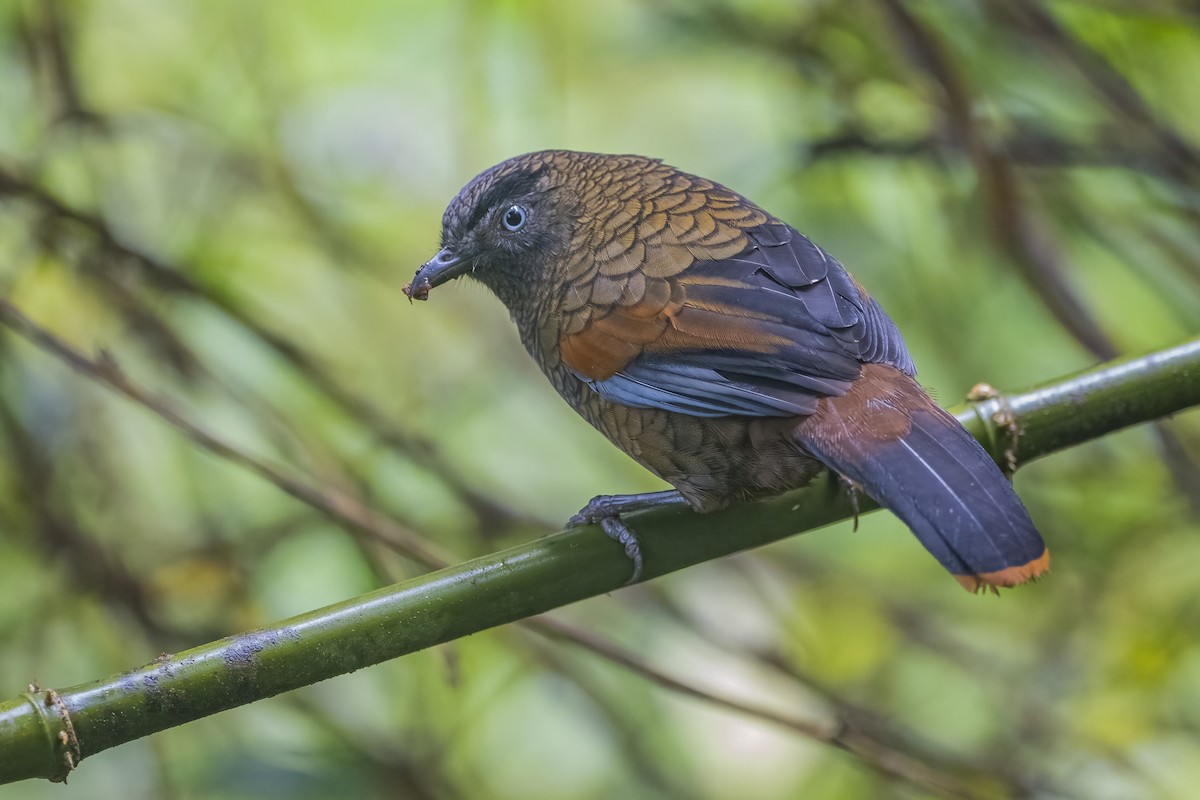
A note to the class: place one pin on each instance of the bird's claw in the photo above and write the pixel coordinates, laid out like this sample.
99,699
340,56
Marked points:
604,511
616,529
600,507
853,489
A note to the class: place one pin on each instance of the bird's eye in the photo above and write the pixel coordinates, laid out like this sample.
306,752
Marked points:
514,218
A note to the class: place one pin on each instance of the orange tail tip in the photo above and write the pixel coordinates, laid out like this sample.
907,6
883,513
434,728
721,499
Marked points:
1007,577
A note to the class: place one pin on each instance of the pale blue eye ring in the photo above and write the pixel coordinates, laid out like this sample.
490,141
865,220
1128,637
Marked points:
514,218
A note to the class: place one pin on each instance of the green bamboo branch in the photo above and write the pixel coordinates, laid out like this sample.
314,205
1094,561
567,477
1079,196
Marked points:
45,733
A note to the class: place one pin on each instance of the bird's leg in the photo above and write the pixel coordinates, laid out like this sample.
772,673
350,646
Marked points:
606,510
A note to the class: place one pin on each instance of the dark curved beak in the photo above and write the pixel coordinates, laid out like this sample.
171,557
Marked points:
445,266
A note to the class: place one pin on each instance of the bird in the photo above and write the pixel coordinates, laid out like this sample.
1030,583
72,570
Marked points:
724,351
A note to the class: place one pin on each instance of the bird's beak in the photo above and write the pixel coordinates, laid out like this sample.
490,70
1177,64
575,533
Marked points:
445,266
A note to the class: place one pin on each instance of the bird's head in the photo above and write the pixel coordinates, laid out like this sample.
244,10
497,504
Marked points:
507,227
519,224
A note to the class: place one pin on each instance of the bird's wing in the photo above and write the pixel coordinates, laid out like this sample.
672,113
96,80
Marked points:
710,316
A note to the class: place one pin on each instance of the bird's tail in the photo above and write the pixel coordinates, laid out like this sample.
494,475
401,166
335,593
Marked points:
888,436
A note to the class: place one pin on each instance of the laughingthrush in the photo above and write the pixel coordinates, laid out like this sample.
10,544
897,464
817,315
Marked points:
723,350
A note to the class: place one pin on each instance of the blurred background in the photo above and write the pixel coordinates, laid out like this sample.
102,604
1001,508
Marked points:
226,197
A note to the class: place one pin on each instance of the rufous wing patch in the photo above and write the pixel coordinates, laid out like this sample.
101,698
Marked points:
608,343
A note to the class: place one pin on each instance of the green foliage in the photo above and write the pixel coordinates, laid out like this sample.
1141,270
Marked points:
290,161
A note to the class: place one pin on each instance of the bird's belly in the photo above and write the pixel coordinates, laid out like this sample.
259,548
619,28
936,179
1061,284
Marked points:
712,461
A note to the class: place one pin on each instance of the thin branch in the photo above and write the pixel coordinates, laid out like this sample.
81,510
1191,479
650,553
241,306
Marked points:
335,504
1025,147
838,730
1014,230
1114,87
173,279
55,36
90,565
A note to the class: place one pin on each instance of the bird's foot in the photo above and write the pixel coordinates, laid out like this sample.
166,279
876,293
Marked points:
602,506
616,529
606,510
